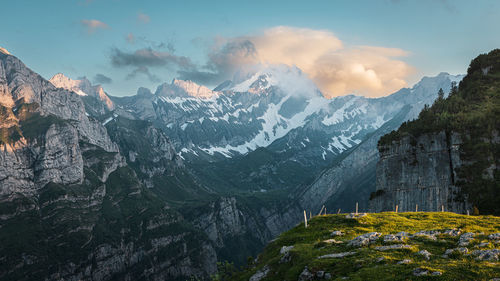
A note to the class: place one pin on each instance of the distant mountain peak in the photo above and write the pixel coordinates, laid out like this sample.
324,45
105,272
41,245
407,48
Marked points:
289,79
3,50
81,87
185,88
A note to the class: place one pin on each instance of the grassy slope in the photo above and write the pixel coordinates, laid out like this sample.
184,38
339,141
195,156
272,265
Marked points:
308,245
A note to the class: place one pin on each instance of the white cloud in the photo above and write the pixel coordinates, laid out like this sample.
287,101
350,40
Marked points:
366,70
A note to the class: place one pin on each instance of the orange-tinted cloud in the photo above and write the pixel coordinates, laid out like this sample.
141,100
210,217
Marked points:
93,25
364,70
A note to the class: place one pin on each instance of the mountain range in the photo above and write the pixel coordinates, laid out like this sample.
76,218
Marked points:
162,185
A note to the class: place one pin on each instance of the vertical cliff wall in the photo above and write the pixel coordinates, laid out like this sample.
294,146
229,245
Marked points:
421,172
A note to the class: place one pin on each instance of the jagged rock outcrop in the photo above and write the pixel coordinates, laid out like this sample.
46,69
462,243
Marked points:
71,207
83,88
420,173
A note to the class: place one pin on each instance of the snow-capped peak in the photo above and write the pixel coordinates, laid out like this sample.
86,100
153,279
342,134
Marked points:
291,80
182,88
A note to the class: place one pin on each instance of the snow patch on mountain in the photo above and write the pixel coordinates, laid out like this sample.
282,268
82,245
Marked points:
274,126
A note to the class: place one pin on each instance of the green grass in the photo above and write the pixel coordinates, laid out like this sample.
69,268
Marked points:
308,245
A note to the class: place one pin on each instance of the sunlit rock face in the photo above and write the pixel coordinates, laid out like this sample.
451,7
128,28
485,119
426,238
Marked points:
82,87
64,181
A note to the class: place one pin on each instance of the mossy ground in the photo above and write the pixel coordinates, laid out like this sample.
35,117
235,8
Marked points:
308,245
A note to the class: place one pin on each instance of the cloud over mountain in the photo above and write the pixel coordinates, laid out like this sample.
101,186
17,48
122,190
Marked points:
336,69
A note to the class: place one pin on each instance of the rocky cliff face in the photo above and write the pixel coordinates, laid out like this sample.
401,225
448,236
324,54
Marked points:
71,208
449,156
351,179
421,172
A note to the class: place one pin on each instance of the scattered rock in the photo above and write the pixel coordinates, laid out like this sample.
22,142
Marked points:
337,255
486,255
306,275
425,254
482,245
461,250
420,271
364,239
320,274
336,233
429,234
465,239
328,276
437,273
332,241
452,232
495,279
381,259
392,247
405,261
285,258
494,236
260,274
398,237
355,216
285,249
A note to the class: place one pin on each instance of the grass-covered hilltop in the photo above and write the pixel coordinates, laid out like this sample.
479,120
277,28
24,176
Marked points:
382,246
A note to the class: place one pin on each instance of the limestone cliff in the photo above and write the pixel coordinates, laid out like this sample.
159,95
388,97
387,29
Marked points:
450,156
71,208
420,173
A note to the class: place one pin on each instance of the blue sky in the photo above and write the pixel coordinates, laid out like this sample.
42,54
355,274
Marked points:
195,39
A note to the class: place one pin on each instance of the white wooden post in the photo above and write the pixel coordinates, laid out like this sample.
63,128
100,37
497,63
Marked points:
305,218
356,208
321,211
396,209
416,208
338,212
442,208
467,212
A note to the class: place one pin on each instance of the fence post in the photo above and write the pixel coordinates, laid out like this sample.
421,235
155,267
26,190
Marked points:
442,208
321,211
325,211
356,208
416,207
397,209
305,218
338,212
467,212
